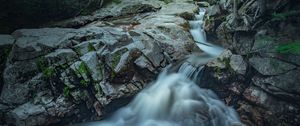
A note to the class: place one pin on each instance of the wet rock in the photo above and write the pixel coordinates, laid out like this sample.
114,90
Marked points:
93,65
259,97
284,85
37,38
144,63
20,82
222,61
238,64
243,42
270,66
113,10
117,59
267,92
158,20
185,10
213,10
71,75
151,50
82,71
68,77
32,43
61,56
79,95
172,37
26,115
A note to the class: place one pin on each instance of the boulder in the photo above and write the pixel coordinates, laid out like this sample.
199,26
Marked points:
213,10
24,115
238,64
112,10
270,66
20,91
284,85
93,65
69,75
32,43
182,9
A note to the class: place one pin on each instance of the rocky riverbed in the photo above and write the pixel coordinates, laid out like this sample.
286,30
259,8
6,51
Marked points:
84,68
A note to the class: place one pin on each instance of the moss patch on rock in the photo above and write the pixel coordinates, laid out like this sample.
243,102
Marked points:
49,72
117,57
83,69
66,91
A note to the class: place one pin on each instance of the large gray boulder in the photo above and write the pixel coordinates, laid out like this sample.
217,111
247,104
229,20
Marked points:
284,85
86,73
270,66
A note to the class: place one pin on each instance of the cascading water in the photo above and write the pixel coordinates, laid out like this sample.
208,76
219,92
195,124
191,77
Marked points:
175,100
199,36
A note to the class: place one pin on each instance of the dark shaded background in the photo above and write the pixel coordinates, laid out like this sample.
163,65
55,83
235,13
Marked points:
16,14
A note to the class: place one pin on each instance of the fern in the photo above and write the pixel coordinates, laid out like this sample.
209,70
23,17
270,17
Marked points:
289,48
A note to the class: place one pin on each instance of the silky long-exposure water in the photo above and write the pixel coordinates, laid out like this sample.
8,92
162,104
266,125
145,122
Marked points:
174,99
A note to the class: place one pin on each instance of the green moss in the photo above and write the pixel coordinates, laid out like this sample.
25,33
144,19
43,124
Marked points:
6,51
84,83
115,60
91,48
49,72
64,66
113,74
249,55
226,61
289,48
217,70
66,91
83,69
42,63
117,56
98,89
4,54
43,66
78,51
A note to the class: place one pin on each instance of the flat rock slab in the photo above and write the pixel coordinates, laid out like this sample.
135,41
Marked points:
270,66
285,85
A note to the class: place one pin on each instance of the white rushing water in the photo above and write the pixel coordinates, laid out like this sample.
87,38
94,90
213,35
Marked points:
199,36
175,100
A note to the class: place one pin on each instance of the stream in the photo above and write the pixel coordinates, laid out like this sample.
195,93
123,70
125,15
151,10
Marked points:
174,99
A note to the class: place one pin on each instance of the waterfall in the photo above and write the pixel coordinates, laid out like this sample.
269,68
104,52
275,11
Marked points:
199,36
174,99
